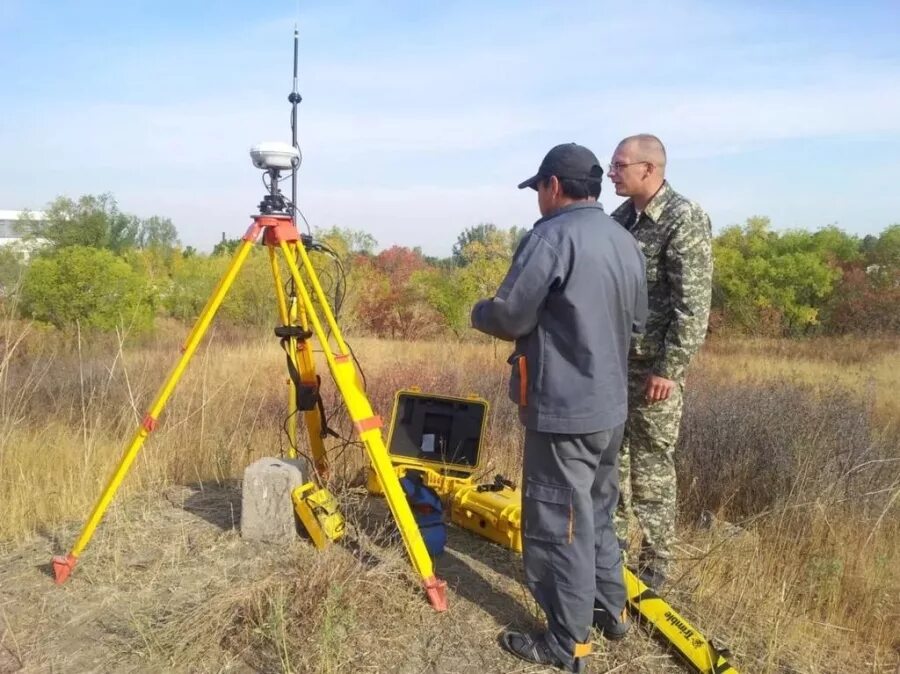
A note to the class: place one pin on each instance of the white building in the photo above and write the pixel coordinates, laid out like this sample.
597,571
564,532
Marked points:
10,237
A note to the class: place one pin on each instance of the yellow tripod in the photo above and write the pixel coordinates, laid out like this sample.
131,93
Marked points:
279,234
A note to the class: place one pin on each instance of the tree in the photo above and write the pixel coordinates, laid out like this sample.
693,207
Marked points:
887,249
840,247
516,234
452,292
192,284
440,289
250,300
486,264
93,221
489,235
156,233
480,232
868,245
392,305
865,303
763,282
399,263
226,247
92,287
347,242
12,268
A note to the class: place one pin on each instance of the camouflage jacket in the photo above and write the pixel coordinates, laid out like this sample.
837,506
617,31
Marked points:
675,236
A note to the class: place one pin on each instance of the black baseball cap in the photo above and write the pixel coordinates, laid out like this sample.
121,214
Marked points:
568,160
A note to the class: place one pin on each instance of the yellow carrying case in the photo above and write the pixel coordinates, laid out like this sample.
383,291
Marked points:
439,436
493,511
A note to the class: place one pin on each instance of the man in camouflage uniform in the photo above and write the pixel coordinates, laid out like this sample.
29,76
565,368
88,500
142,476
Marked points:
675,236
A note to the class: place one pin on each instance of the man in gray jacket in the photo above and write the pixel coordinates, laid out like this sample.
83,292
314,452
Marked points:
571,300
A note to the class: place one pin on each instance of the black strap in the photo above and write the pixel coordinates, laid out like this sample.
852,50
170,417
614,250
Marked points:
323,419
307,395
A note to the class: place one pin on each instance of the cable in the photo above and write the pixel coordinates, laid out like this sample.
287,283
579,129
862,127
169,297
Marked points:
359,367
293,446
293,207
340,289
305,221
346,442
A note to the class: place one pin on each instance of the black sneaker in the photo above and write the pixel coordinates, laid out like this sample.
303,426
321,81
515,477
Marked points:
609,626
531,648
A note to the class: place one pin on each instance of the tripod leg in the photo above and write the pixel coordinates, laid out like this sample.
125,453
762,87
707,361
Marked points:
369,428
301,357
63,566
284,315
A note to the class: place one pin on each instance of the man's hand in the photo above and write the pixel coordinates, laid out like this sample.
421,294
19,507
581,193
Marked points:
658,388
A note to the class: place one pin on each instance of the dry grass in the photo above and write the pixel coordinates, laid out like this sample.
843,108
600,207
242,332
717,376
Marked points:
867,367
799,444
795,444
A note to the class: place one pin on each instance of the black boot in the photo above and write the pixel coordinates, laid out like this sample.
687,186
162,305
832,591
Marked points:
609,626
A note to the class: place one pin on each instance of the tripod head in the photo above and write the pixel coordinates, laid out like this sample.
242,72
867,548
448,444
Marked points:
274,158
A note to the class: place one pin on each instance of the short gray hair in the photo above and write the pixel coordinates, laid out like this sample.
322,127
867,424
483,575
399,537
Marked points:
649,148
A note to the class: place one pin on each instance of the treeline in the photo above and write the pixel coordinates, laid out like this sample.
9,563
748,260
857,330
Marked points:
98,268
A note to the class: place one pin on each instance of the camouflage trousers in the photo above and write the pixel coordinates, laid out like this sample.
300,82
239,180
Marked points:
647,486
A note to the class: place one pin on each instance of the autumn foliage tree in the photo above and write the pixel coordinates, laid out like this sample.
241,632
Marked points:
391,304
868,298
483,255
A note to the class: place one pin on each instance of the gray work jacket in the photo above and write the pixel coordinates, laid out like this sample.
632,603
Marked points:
572,298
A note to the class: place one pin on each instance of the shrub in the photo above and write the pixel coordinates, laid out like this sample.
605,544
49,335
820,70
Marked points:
89,286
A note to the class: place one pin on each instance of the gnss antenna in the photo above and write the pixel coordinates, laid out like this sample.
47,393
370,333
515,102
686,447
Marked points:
294,99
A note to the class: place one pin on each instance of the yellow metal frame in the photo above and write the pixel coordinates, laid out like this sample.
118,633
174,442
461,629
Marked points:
675,629
441,483
279,234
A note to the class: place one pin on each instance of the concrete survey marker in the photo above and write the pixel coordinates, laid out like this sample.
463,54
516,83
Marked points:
267,513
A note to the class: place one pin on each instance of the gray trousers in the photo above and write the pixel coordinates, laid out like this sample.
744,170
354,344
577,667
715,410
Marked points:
571,554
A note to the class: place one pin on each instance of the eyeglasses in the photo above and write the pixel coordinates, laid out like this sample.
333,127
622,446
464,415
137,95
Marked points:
618,165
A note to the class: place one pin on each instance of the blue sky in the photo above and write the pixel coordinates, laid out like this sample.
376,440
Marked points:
419,119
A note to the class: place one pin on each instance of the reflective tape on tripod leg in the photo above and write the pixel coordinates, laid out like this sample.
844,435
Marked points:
369,424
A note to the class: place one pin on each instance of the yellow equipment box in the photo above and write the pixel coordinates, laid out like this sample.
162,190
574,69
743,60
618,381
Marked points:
439,436
319,512
493,511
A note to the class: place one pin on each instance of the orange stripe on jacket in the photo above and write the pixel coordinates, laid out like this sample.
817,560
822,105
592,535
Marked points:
523,382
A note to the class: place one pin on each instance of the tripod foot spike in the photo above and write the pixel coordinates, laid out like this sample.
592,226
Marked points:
436,589
62,567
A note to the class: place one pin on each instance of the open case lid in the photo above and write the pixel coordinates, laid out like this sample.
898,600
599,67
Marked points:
437,431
